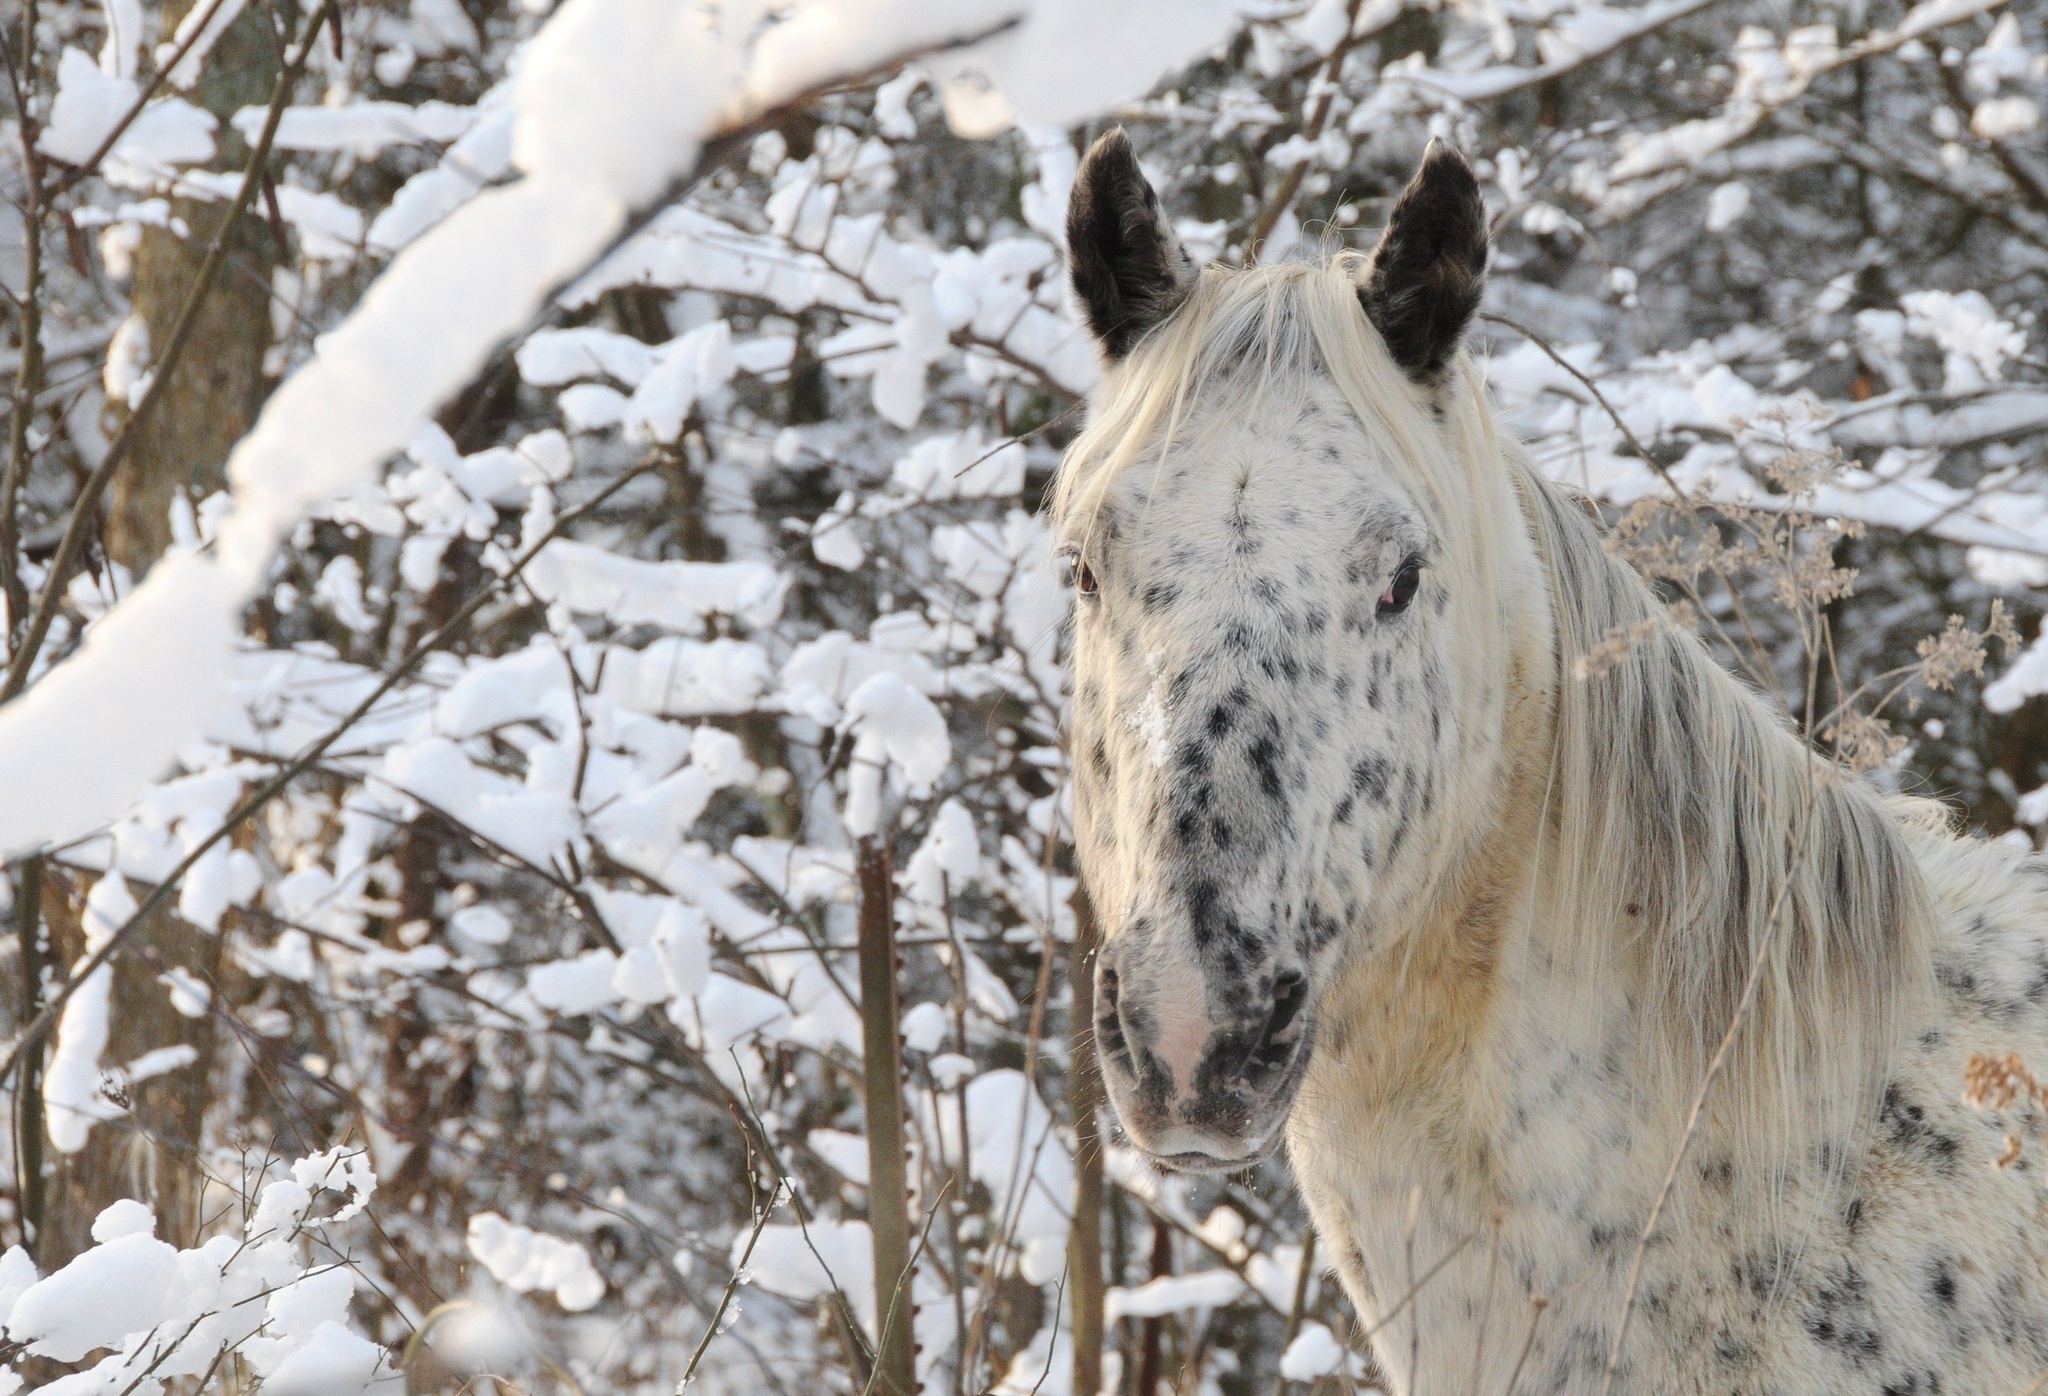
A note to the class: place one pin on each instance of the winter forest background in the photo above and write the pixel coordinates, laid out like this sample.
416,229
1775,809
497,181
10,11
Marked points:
634,602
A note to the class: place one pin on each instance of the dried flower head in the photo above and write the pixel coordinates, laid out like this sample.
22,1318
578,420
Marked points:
1862,741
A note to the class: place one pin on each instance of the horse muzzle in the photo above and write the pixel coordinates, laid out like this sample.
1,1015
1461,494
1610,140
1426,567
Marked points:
1194,1093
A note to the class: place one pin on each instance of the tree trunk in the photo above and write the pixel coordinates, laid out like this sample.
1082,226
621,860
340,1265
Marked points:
217,385
152,1153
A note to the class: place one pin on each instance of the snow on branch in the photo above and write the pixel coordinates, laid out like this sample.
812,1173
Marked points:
614,102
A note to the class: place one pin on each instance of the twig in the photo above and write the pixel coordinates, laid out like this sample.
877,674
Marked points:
739,1271
1046,425
863,1356
889,1321
1537,1304
28,1110
1418,1285
1408,1250
1053,1342
1084,1105
2030,187
1590,386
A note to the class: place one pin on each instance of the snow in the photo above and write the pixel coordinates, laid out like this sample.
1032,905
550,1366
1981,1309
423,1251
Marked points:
959,465
363,128
1315,1352
1012,1151
1975,340
339,1169
897,729
2026,677
784,1263
160,1061
1205,1289
676,596
947,860
526,1260
2002,118
530,824
727,1012
90,102
328,229
420,332
163,1313
550,358
331,1361
126,376
1575,37
670,960
925,1026
71,1077
575,986
1726,205
480,157
692,366
1067,59
128,1283
125,1217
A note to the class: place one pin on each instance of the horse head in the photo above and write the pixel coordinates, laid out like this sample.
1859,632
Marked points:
1276,675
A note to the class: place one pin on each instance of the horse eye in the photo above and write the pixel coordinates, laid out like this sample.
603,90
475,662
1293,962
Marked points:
1075,572
1401,590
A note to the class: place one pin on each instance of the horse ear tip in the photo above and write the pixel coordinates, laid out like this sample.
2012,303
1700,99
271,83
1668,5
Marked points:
1442,161
1112,145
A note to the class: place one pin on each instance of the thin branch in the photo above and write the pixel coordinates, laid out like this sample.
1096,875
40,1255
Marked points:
1290,183
864,1357
1628,434
739,1272
1302,1275
1537,1304
882,1068
1419,1284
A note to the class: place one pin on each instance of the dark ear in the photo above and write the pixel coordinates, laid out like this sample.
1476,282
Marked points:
1423,284
1129,270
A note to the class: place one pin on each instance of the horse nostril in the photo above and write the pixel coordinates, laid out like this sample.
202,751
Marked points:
1109,1023
1277,1040
1290,993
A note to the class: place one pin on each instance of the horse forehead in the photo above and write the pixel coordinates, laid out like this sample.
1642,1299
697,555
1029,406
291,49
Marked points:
1312,472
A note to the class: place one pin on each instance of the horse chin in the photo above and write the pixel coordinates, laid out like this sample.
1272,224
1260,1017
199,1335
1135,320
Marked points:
1181,1149
1208,1156
1196,1161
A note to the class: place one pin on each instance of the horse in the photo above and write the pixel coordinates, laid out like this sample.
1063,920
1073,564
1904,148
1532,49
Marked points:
1387,873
